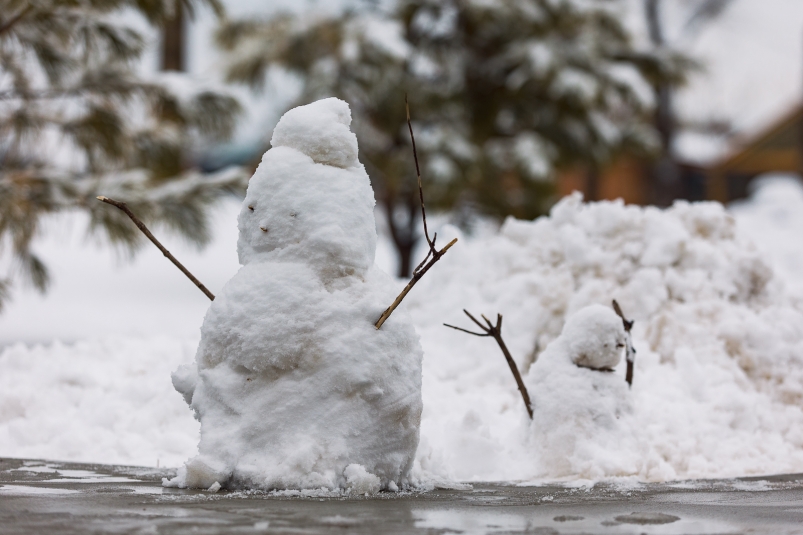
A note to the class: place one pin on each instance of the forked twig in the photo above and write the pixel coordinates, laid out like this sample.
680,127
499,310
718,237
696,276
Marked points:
630,351
495,331
433,254
141,226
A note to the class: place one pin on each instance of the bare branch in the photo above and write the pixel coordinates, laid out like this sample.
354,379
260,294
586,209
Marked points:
630,351
628,324
490,325
416,277
466,330
436,255
431,243
434,237
496,332
141,226
481,326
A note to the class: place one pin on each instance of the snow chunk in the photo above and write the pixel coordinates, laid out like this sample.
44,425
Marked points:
361,481
321,131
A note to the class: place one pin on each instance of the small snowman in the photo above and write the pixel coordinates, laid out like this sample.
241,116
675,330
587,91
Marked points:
580,406
293,385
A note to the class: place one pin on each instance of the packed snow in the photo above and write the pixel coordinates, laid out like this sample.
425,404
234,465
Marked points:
717,387
293,385
719,374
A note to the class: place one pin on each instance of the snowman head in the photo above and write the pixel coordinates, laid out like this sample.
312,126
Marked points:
310,200
594,337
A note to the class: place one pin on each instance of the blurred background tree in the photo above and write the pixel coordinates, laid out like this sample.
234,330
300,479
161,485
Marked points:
502,94
665,172
77,120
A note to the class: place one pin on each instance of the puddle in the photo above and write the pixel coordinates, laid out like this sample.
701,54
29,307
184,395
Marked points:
24,490
647,518
71,476
539,520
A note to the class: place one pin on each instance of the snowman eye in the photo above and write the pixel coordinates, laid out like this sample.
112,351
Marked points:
251,207
263,229
620,346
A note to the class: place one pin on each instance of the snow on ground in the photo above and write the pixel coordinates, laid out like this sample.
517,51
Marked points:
719,334
103,400
719,371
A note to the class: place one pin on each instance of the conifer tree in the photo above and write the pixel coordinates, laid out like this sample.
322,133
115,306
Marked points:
503,93
77,120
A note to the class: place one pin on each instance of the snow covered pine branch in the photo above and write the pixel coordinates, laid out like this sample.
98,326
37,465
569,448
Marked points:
436,255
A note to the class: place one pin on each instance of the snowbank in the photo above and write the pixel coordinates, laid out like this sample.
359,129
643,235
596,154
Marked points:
719,372
107,400
717,388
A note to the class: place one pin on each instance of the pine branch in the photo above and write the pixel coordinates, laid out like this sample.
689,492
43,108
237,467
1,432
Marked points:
122,206
495,331
630,351
435,254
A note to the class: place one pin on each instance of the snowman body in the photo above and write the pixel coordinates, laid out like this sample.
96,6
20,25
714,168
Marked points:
581,424
293,385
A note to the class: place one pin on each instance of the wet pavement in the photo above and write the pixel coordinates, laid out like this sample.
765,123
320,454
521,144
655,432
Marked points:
40,497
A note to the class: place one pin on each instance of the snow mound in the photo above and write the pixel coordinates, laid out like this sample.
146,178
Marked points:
718,379
293,385
100,401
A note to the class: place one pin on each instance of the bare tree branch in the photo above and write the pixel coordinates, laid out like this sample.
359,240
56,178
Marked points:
630,351
416,277
435,254
496,332
466,330
141,226
431,243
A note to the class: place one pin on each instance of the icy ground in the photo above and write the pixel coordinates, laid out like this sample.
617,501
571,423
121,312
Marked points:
717,386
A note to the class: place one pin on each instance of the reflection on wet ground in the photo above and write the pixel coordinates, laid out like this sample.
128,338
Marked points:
46,497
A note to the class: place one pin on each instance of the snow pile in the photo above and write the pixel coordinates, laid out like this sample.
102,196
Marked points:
107,400
773,219
719,373
292,384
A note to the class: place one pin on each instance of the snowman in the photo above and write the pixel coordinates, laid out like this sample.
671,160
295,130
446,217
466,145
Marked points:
580,426
293,385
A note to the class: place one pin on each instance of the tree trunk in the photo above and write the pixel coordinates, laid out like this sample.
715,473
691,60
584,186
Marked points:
404,236
665,173
173,41
592,183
